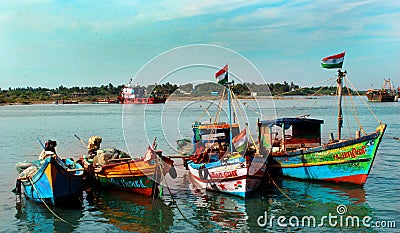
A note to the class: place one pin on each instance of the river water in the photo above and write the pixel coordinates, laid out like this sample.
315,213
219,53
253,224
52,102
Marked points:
132,128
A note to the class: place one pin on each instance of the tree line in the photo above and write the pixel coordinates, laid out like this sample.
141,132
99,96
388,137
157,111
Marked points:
30,94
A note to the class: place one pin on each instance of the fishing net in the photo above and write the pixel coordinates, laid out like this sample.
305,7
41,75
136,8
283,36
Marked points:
106,155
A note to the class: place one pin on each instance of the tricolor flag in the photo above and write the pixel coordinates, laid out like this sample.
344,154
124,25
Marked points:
334,61
222,75
151,153
240,141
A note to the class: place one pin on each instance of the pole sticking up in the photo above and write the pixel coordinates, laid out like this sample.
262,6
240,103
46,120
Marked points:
228,85
341,75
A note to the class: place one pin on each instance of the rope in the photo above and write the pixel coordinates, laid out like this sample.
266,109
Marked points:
170,193
242,115
280,190
315,93
234,108
51,211
255,111
201,115
372,112
219,106
310,85
354,108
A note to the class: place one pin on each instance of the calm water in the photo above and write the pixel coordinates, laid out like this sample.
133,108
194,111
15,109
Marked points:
102,210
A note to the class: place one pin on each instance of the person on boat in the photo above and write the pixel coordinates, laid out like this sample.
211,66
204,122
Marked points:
93,145
221,149
49,149
201,154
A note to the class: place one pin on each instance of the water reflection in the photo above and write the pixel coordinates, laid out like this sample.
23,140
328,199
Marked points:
34,217
131,212
317,199
234,214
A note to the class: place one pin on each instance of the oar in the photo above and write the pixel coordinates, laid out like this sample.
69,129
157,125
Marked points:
80,139
41,143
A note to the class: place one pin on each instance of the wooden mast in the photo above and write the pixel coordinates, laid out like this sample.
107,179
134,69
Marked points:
228,86
341,75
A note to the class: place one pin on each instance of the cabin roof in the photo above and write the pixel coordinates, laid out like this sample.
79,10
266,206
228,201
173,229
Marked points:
218,125
288,121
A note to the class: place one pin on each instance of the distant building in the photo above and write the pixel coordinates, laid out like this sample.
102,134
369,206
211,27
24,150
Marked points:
214,93
253,94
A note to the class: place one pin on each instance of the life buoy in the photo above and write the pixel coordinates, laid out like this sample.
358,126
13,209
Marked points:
203,173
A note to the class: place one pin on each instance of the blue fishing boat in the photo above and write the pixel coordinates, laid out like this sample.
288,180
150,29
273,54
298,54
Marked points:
53,181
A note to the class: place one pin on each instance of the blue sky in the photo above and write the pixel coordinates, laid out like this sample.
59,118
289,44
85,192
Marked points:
89,43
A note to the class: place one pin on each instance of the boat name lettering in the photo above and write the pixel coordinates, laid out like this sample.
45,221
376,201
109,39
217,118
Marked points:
226,174
128,183
351,154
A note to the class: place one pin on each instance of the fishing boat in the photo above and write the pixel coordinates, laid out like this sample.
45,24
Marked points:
114,169
135,94
223,159
52,180
296,149
386,94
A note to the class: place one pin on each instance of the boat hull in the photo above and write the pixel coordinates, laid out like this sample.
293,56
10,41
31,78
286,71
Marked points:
138,177
381,98
349,161
54,184
143,185
238,177
142,100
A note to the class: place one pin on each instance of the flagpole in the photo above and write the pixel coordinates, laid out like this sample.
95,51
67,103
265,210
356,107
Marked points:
228,85
341,75
329,63
230,117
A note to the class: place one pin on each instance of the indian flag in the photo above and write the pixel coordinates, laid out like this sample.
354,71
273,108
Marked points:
240,141
334,61
222,75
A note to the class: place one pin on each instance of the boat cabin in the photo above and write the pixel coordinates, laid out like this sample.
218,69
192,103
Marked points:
211,140
285,134
211,133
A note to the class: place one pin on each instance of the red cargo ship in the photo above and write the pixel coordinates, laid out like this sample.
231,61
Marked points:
132,94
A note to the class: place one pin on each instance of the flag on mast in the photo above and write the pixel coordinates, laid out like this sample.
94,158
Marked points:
240,141
222,75
334,61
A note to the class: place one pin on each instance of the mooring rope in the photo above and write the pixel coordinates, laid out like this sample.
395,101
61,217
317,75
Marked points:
170,193
51,211
280,190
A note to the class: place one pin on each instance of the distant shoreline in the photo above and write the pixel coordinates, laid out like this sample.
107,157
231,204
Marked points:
171,98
